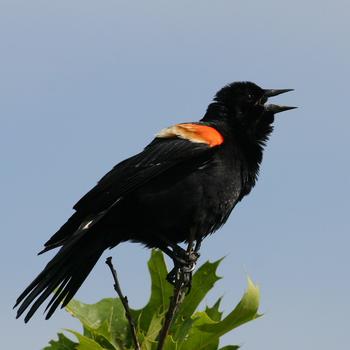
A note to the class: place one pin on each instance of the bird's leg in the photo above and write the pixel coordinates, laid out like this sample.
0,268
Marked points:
184,259
185,265
193,257
176,253
182,262
198,246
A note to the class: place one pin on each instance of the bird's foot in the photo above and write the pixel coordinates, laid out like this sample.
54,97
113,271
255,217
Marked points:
184,257
184,265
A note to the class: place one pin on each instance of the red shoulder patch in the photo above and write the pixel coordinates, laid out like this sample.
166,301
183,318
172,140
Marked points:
195,133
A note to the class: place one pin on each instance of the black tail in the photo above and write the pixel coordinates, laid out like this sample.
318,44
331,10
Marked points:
63,275
65,232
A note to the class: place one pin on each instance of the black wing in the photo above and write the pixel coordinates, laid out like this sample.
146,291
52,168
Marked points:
160,155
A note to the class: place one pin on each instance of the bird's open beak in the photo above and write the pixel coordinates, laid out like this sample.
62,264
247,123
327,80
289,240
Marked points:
276,108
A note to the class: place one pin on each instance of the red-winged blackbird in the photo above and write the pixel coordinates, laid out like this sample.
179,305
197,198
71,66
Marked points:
182,186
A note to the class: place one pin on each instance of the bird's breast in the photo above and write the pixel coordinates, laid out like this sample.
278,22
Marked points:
221,187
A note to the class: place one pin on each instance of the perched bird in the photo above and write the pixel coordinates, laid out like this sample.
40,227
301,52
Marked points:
182,186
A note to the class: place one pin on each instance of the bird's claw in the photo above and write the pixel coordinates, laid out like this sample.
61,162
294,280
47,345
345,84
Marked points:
182,271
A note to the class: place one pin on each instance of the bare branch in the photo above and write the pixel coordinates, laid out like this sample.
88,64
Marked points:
125,303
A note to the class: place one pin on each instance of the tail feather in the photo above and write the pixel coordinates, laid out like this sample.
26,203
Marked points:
56,300
32,294
57,293
38,302
72,286
64,233
62,276
56,263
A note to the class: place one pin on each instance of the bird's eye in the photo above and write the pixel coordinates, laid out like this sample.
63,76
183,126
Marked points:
250,97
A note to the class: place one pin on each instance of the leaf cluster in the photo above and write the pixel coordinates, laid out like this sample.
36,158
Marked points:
105,326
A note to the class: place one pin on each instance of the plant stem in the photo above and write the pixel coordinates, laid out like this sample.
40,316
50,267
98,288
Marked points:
182,281
124,300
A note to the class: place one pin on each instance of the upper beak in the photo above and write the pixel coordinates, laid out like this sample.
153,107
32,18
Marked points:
274,92
276,108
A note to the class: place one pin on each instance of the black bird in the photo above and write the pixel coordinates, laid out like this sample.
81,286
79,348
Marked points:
182,186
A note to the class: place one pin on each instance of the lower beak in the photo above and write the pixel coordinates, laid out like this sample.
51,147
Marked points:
277,109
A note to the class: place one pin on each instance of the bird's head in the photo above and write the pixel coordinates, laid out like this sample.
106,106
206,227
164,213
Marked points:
246,101
245,106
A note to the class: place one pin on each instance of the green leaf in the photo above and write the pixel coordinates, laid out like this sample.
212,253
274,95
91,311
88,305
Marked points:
103,337
86,343
203,281
245,311
63,343
182,329
198,339
213,312
161,291
170,343
105,326
105,318
148,340
205,332
154,327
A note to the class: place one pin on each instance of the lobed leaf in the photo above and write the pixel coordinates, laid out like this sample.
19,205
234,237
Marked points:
105,318
245,311
203,281
213,312
148,340
106,327
86,343
63,343
205,332
161,291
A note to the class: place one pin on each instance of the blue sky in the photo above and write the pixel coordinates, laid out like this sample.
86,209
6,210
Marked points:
85,84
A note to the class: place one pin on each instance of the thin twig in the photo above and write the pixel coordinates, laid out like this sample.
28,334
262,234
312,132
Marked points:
125,303
182,279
